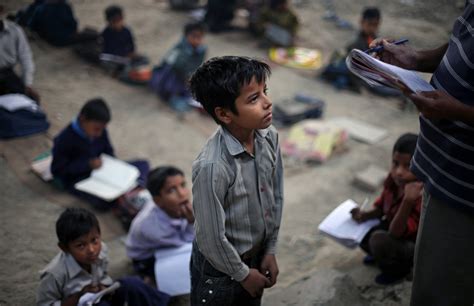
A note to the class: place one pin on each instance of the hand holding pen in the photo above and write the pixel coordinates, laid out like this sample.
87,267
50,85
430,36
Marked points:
396,53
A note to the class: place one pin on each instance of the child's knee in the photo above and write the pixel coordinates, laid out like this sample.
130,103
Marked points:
379,242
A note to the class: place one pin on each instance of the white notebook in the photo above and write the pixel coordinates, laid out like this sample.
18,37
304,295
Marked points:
111,180
172,270
378,73
89,299
340,226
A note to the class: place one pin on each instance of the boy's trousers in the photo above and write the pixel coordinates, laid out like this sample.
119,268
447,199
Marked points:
393,256
444,258
212,287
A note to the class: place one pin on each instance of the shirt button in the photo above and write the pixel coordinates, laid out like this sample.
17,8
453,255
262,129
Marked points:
204,300
210,291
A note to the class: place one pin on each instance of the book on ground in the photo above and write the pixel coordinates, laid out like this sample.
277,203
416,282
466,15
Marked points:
377,73
340,226
359,130
41,166
172,270
89,299
111,180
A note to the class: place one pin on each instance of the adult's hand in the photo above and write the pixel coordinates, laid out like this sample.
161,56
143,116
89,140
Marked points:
439,105
403,56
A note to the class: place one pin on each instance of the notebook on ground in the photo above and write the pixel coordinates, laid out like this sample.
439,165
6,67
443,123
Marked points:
378,73
340,226
111,180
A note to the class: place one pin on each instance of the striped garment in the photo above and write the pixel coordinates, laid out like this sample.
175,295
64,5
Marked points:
444,158
237,199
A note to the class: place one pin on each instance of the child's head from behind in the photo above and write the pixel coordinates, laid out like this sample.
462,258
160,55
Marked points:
94,117
167,185
232,90
194,33
78,233
370,21
402,154
114,17
279,5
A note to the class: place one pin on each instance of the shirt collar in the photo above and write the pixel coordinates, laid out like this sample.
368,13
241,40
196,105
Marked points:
72,266
233,144
77,128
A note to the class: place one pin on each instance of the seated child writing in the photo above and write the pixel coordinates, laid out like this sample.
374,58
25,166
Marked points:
392,243
118,42
237,186
337,71
77,149
170,79
81,267
166,222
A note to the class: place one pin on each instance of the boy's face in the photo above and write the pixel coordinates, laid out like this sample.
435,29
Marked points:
85,249
253,106
173,196
400,171
195,38
92,128
117,23
370,27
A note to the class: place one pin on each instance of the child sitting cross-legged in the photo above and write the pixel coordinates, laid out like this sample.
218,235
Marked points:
165,222
391,245
170,78
78,147
81,267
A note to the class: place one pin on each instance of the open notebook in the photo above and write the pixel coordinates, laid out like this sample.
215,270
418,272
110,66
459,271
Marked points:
378,73
111,180
89,299
340,226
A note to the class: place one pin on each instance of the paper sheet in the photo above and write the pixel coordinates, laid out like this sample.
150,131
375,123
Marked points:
340,226
172,270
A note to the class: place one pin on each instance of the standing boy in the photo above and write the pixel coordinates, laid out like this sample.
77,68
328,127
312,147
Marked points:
392,243
237,186
165,222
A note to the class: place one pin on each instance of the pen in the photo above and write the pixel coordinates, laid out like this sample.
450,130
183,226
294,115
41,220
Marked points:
363,206
380,48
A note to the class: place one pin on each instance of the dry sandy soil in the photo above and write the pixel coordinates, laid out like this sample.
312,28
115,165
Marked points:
144,127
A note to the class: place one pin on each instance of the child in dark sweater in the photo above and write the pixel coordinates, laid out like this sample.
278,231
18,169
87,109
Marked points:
77,150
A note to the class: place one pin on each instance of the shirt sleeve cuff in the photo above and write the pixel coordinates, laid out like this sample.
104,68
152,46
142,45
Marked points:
271,248
241,274
57,303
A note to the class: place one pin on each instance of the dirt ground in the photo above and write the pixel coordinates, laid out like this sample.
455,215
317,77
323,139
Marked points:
144,127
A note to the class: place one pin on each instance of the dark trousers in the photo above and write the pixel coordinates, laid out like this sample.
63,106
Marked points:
212,287
134,292
393,256
11,83
444,265
145,267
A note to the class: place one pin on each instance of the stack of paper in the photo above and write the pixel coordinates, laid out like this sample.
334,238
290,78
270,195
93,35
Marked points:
172,270
340,226
378,73
111,180
360,130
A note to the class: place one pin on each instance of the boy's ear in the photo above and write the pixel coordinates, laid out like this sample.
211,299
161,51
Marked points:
223,115
63,247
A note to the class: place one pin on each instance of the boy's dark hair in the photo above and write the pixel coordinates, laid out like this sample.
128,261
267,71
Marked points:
157,178
275,4
73,223
217,82
113,11
194,26
96,110
406,144
370,13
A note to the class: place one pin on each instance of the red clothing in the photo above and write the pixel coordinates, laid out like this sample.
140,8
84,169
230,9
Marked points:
389,201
